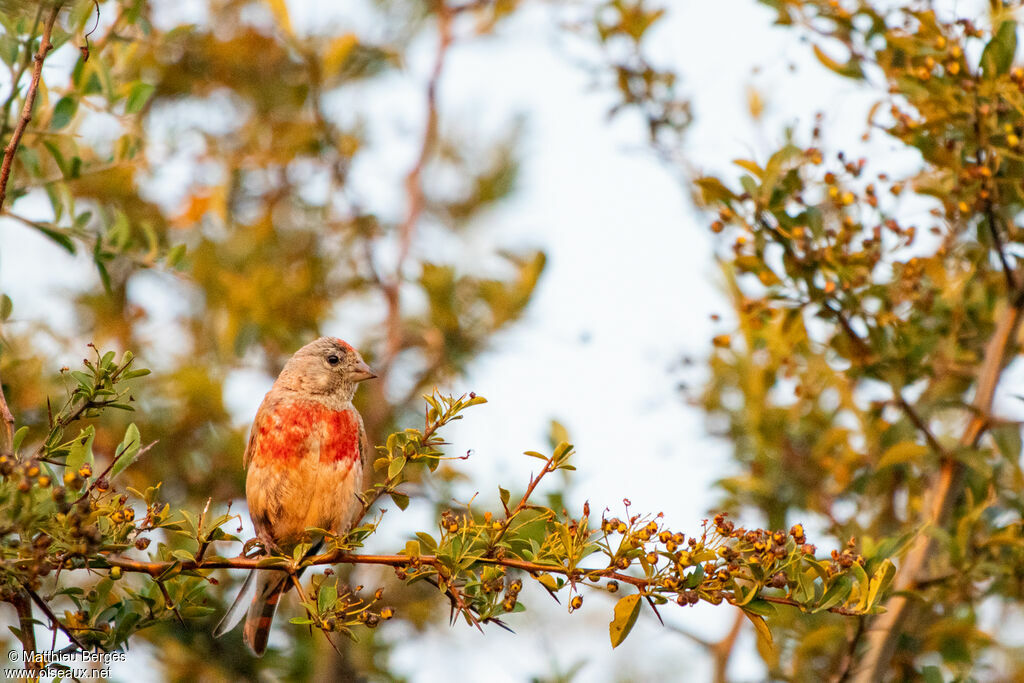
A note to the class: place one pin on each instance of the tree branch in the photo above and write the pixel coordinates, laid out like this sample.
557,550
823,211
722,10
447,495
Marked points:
30,98
883,634
340,556
414,192
26,623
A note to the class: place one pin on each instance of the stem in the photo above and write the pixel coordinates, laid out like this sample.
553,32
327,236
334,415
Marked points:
30,98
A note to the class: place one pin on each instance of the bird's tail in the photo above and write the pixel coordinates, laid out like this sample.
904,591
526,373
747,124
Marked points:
269,587
258,609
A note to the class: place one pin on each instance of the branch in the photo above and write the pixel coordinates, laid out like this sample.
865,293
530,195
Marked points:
26,623
30,98
414,191
883,634
340,556
7,444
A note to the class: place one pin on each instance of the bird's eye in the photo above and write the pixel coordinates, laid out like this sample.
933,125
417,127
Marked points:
333,360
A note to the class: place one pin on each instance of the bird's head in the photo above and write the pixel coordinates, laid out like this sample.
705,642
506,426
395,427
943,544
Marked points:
326,367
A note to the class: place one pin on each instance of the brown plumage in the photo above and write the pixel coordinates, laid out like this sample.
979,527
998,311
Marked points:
305,460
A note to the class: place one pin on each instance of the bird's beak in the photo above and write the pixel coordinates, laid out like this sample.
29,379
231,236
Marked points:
362,372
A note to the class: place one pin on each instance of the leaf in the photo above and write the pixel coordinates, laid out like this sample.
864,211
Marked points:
280,10
127,450
535,454
6,307
712,190
748,165
337,53
326,598
400,499
427,540
837,593
396,466
138,97
57,236
63,112
1008,440
504,495
19,436
764,634
81,450
850,69
880,581
903,452
997,57
626,612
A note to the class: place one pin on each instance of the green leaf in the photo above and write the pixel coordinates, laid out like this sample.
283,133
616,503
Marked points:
6,307
626,612
997,57
535,454
760,607
504,495
19,436
400,499
837,593
427,540
1008,440
326,597
63,112
81,450
138,97
57,236
129,448
396,466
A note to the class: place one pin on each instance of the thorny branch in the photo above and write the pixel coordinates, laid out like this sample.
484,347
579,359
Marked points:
339,556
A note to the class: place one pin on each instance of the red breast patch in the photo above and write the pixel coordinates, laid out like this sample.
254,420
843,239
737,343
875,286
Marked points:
292,429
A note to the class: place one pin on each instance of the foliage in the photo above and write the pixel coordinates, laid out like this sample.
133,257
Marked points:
858,383
479,561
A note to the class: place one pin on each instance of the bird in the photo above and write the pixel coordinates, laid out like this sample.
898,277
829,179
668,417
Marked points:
304,461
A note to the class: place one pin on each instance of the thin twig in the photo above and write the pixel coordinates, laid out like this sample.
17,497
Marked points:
850,656
54,621
109,467
170,603
30,98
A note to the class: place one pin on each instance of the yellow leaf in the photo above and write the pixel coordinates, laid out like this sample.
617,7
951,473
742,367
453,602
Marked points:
764,634
280,10
903,452
626,611
337,53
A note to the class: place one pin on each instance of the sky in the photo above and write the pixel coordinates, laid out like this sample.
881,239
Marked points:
628,292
